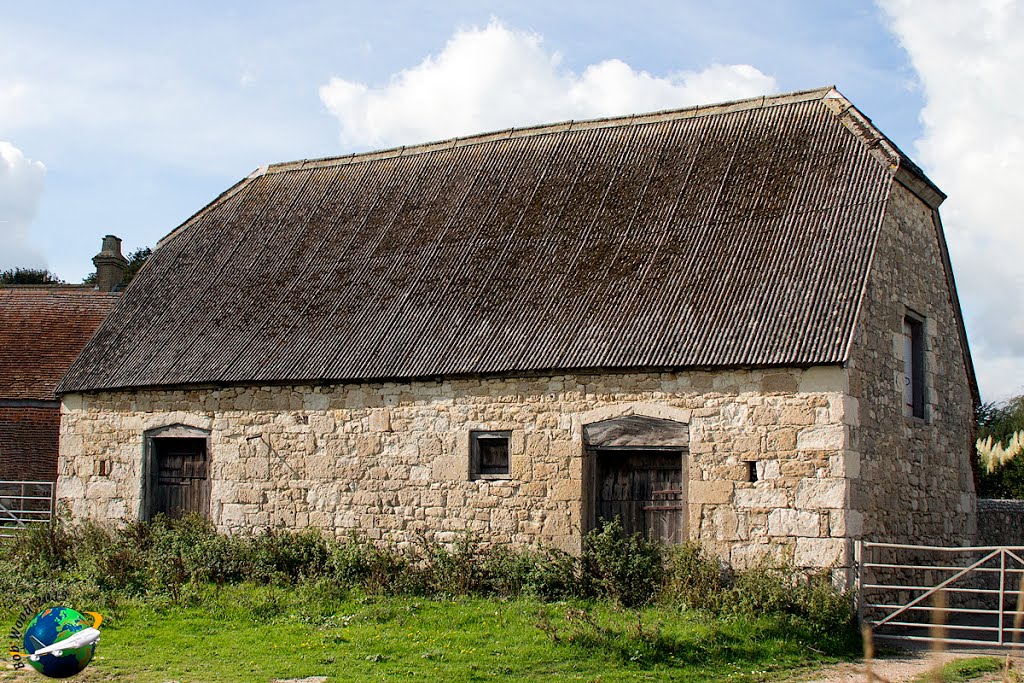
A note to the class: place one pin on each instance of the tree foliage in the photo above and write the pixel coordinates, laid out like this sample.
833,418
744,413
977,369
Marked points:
28,276
1001,421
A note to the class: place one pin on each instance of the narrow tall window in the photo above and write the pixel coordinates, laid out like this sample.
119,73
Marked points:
913,367
490,454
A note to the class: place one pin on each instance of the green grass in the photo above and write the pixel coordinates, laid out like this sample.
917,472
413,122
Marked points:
960,670
258,633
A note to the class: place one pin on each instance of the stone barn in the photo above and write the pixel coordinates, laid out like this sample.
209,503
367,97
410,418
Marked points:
734,323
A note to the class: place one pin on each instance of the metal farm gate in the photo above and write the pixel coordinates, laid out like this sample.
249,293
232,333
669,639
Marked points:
23,503
965,596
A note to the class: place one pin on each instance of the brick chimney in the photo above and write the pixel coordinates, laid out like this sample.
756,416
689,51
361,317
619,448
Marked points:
110,264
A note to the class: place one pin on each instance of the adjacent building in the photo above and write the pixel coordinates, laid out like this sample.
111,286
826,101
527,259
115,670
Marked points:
42,329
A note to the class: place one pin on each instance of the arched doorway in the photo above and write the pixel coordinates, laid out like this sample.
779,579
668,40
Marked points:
638,474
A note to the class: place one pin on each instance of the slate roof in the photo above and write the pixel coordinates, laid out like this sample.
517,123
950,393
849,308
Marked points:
42,330
732,235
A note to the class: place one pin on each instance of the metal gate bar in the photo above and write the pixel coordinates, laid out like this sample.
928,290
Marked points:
1000,583
23,503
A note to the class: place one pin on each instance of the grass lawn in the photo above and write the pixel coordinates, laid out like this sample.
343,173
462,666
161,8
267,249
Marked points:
249,633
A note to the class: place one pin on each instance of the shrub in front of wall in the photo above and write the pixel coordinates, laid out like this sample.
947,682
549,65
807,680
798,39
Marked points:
627,568
457,569
377,569
545,573
289,556
694,579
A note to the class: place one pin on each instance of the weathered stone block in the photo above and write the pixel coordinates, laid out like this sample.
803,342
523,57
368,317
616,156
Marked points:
765,415
750,555
379,420
321,424
711,492
746,444
783,439
825,438
779,382
820,552
821,493
793,523
823,379
721,523
760,497
796,415
566,489
768,469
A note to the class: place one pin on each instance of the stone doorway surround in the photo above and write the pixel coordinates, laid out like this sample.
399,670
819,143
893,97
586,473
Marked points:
158,444
633,429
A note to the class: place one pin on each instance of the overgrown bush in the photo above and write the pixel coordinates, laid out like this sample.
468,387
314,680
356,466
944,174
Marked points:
627,568
697,581
693,578
174,559
545,573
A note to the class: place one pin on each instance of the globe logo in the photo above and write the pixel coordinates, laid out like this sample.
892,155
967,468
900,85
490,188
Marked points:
59,642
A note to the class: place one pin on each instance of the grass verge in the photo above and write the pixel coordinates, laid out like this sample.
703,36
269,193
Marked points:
248,633
961,670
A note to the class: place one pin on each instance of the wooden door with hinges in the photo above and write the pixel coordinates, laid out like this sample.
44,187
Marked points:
181,482
645,490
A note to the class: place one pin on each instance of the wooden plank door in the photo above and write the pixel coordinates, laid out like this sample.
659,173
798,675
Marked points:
181,483
644,489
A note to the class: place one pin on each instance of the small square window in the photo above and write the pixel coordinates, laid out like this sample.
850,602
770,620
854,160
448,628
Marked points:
489,453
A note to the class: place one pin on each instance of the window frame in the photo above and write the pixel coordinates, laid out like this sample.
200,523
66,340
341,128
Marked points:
914,367
475,464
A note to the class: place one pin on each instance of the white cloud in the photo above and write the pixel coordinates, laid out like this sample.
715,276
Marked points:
968,57
496,77
21,184
16,107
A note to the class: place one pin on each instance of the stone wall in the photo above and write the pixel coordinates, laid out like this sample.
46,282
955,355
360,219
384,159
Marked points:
391,460
912,476
1000,522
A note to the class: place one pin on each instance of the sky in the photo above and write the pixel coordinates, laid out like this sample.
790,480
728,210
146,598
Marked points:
127,117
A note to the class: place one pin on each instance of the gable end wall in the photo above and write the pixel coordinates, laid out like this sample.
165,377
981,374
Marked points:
915,483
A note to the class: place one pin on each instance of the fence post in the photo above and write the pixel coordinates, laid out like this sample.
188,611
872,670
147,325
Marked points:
1002,594
858,566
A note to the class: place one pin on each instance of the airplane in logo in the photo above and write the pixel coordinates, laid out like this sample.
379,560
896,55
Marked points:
87,636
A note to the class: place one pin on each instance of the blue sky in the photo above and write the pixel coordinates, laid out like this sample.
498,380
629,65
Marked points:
127,117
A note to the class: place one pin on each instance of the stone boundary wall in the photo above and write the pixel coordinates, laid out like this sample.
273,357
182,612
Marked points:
1000,522
390,460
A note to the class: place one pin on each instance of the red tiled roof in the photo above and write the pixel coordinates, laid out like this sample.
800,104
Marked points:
42,329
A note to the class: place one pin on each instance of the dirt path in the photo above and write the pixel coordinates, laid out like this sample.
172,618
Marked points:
904,667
